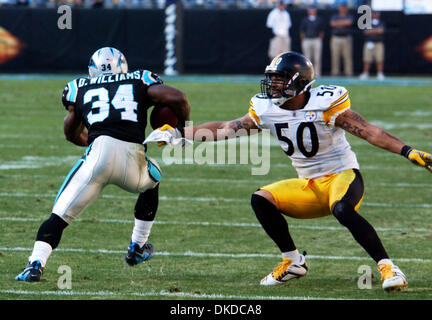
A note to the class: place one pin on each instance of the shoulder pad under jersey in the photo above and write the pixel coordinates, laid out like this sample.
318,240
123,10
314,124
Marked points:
149,78
332,100
258,105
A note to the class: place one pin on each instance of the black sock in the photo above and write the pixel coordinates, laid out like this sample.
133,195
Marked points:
273,223
51,230
362,231
147,204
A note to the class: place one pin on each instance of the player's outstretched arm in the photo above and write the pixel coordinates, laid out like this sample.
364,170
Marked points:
222,130
355,124
162,94
210,131
74,129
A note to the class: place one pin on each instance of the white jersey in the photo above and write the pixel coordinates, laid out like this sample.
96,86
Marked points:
308,136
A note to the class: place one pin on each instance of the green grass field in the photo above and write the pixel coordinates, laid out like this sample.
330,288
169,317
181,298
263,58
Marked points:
209,243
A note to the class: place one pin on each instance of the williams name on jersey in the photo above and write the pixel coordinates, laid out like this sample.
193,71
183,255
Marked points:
114,105
308,136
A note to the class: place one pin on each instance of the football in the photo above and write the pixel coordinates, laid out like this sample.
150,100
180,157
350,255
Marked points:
161,115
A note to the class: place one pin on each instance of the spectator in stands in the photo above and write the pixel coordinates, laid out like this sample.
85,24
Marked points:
22,2
262,3
78,3
341,41
279,21
97,4
373,48
311,35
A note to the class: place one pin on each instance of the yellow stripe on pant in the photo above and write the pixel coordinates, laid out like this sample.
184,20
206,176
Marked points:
313,198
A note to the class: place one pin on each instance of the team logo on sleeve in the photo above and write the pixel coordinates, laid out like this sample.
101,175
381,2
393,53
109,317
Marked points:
310,116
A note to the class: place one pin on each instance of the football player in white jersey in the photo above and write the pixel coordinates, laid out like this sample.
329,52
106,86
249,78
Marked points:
310,126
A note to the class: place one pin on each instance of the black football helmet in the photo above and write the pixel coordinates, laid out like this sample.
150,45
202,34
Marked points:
297,73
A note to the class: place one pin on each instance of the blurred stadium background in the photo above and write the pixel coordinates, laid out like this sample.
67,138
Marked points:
198,37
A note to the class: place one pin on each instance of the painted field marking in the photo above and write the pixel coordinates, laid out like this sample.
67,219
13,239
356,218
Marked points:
164,293
216,224
215,255
416,113
402,125
209,199
236,181
36,164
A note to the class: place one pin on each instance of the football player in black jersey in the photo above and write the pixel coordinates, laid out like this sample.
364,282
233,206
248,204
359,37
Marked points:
107,112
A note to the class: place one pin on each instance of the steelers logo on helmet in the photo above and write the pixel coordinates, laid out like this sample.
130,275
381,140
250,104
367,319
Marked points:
278,61
107,60
288,75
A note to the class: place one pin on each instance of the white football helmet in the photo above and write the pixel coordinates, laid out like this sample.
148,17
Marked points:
107,60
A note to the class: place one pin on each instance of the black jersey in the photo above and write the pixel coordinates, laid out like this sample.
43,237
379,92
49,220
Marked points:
113,105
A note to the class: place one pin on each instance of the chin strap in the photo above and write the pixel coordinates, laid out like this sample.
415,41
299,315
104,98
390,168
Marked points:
306,88
293,93
290,82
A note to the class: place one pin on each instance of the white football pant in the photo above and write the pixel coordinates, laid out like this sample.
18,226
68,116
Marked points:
106,161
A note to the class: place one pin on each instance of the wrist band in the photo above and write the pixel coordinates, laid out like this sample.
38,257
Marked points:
405,151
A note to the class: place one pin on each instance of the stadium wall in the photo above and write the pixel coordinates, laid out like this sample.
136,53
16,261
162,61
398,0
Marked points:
213,41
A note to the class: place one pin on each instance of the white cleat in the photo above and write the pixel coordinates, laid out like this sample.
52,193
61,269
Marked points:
364,76
285,271
392,277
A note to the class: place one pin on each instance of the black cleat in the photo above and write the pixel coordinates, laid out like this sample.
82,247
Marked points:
137,255
31,273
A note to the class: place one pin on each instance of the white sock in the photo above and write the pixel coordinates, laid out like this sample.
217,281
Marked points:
293,255
41,251
141,231
385,261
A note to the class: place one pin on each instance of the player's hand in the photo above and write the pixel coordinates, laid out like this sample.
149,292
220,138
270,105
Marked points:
175,133
420,158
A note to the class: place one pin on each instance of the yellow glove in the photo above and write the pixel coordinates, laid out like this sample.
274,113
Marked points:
163,128
175,132
420,158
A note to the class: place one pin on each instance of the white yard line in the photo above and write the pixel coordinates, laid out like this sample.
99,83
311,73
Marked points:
26,146
417,113
35,162
218,224
386,125
235,181
163,293
14,165
215,255
209,199
264,181
384,167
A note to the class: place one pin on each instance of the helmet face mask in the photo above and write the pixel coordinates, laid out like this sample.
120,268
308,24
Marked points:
278,88
107,61
290,74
